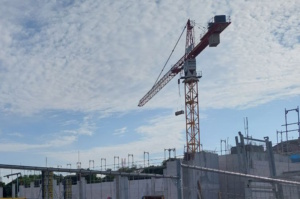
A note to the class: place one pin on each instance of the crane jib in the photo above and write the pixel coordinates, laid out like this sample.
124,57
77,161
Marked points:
215,28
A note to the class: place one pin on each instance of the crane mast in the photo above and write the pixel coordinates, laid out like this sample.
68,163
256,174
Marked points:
190,80
187,64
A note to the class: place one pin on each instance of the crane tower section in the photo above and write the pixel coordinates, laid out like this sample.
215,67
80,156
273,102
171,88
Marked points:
191,95
187,64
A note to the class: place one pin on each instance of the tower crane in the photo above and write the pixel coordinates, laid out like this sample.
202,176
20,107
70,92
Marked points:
187,64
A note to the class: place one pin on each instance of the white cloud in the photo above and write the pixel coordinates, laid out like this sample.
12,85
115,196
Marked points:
159,133
86,127
69,122
16,135
17,147
58,142
80,57
120,132
50,141
61,141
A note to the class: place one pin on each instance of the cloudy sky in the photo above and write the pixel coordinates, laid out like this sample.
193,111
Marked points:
72,73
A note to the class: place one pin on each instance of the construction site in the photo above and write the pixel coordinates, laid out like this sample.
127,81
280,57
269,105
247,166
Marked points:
255,168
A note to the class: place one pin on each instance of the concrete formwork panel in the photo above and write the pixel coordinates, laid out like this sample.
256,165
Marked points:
200,184
171,187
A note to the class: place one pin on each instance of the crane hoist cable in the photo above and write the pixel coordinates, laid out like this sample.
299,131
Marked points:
170,55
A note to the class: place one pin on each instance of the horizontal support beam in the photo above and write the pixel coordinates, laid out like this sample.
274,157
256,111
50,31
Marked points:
290,124
253,139
291,130
266,179
12,174
83,171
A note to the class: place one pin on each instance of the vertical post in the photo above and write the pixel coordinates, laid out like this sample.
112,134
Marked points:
277,141
91,161
80,187
116,157
130,155
179,180
43,185
59,166
78,165
103,159
221,146
298,123
281,141
286,131
224,145
243,148
17,186
246,127
145,158
128,160
271,157
174,151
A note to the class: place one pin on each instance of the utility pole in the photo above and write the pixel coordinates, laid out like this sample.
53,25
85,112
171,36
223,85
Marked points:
116,157
103,159
130,155
91,161
144,158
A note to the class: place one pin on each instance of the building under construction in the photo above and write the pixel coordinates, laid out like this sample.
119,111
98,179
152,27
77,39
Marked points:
247,170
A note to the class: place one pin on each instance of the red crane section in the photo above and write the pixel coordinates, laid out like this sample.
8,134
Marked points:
209,38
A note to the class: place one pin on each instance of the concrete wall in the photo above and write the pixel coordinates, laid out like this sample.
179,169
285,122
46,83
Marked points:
193,182
231,186
30,192
200,184
121,186
170,186
258,164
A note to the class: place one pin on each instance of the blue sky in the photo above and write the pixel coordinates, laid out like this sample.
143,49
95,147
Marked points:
72,73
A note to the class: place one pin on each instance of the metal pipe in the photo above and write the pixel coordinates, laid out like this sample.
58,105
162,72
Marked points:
240,174
253,139
83,171
290,124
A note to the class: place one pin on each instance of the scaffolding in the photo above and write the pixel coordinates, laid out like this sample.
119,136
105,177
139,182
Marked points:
289,146
68,189
47,184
